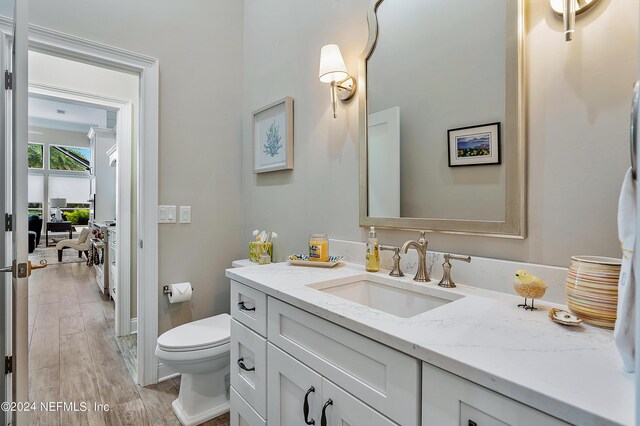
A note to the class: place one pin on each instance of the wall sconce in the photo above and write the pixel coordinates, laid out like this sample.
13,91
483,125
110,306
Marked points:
334,71
568,9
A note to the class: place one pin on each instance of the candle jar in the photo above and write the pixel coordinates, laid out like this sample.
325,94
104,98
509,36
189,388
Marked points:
319,248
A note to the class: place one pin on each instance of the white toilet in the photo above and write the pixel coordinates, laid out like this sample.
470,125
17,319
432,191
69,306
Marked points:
199,350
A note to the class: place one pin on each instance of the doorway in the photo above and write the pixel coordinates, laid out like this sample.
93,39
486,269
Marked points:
82,133
146,70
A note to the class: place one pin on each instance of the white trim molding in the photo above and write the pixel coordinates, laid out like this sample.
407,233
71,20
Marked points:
71,47
165,373
133,326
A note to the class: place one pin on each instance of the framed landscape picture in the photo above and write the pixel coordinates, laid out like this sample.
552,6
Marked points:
273,137
475,145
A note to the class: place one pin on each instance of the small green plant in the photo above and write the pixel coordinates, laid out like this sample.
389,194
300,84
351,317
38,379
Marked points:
78,217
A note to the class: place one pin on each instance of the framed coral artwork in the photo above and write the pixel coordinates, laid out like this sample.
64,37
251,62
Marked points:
273,137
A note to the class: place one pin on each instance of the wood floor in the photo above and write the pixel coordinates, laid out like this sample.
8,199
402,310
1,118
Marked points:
74,356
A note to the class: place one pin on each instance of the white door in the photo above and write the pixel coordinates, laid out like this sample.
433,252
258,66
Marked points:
13,117
383,163
340,408
293,398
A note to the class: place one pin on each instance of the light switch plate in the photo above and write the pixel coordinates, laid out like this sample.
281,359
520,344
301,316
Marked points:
166,214
185,214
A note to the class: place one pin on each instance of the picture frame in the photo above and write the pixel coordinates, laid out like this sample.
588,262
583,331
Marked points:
474,145
273,136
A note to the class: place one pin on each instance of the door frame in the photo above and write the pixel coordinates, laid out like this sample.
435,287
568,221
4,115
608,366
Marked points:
124,145
5,249
147,68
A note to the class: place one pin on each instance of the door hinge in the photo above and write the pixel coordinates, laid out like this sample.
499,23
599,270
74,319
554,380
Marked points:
8,364
8,222
8,80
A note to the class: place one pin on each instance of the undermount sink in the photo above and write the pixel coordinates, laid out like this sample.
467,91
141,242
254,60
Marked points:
394,297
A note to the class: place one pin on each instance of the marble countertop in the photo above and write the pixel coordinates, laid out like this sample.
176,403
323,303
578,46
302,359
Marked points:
574,373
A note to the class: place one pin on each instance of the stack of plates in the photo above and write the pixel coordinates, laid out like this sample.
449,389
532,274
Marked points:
592,289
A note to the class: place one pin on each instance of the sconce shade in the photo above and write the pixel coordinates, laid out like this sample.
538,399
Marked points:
58,202
332,67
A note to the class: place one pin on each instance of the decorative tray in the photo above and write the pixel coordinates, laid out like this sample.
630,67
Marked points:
563,317
303,260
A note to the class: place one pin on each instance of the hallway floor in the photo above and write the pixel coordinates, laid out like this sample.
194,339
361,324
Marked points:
74,356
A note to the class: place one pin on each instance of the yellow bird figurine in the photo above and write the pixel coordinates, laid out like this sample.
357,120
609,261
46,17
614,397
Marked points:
528,286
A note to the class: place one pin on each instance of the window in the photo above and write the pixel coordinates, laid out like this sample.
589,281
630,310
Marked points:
69,158
35,208
35,152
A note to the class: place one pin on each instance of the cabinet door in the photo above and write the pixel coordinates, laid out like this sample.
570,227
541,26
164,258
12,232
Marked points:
241,412
290,385
346,410
449,400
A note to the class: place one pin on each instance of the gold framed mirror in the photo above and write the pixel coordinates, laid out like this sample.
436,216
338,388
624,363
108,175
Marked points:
441,90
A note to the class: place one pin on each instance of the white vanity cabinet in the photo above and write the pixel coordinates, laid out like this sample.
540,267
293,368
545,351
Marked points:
298,395
449,400
311,359
290,367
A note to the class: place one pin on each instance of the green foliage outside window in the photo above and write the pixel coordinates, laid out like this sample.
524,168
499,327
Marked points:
35,156
78,217
69,158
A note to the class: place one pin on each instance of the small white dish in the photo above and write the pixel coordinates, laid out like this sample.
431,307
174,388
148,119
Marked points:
564,317
303,260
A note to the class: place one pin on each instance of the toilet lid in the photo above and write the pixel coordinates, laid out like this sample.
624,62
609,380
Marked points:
196,335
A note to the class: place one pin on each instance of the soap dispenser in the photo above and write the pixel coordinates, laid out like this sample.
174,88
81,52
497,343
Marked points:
373,253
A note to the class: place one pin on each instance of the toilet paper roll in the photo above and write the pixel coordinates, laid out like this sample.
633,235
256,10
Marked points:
180,292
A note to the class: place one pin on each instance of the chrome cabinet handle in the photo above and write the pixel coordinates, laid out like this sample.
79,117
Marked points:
242,307
244,367
305,407
634,128
323,420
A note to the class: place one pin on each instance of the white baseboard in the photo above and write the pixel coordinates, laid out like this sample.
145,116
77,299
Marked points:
134,325
165,373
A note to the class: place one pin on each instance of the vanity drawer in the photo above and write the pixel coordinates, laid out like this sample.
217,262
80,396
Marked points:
448,399
249,366
249,307
242,414
376,374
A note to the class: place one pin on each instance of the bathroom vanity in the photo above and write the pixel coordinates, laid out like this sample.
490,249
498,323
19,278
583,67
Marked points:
343,346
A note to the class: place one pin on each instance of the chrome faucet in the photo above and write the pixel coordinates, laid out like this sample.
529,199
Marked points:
421,247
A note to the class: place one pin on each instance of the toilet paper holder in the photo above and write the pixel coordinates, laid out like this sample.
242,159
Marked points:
167,290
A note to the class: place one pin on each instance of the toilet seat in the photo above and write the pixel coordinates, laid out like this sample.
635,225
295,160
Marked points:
197,335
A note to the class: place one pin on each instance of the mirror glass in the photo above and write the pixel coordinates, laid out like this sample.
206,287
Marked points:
443,123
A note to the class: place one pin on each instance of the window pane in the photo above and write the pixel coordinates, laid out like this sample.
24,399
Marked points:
74,189
35,156
35,185
69,158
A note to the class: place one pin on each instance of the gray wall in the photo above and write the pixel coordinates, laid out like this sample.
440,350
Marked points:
578,98
453,77
199,45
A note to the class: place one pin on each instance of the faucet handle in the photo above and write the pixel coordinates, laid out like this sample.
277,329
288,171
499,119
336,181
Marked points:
449,256
396,271
394,249
447,280
423,235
